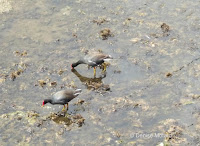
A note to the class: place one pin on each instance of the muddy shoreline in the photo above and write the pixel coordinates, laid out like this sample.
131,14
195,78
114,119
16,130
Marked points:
149,94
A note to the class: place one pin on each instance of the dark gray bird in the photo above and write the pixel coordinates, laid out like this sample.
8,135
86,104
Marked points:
93,60
63,97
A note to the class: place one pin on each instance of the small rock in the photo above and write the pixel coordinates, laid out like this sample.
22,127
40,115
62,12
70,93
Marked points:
80,102
60,72
117,71
80,122
168,75
135,40
53,84
42,83
105,33
17,53
100,21
19,118
78,116
165,28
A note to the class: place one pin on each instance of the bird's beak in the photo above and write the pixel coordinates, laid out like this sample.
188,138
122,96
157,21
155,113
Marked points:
72,67
42,104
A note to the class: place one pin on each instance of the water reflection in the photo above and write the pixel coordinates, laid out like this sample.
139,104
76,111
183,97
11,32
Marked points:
67,119
62,120
92,83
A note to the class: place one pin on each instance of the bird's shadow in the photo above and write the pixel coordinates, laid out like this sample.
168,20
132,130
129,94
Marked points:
91,83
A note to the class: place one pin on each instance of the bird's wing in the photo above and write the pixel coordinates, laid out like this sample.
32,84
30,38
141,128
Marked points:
100,56
69,92
90,60
60,95
68,95
96,58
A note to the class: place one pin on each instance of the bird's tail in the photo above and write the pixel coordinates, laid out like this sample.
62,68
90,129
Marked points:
77,92
108,58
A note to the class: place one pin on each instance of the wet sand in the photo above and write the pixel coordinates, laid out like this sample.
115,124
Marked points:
148,96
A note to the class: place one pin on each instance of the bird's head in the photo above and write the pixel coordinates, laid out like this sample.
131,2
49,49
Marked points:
72,66
45,102
75,64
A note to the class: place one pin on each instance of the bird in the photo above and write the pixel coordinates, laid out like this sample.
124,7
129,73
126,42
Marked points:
93,59
62,97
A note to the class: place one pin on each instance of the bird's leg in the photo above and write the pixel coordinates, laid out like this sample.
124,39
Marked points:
94,71
104,67
63,108
67,106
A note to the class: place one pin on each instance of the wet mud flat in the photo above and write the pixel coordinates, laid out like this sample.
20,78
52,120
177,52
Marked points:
149,94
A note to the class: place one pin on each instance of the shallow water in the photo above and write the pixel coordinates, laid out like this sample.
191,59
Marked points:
143,98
